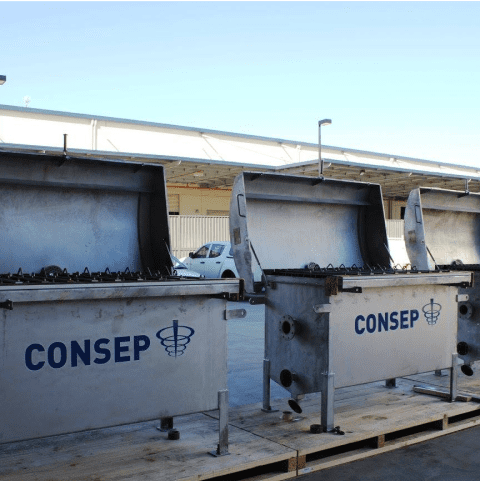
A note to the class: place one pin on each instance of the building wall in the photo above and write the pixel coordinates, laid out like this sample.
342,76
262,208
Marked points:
199,201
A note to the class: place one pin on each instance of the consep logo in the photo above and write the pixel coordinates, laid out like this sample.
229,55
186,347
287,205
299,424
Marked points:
386,321
104,350
432,312
175,338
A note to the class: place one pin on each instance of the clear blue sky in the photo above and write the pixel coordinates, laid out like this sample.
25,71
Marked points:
401,78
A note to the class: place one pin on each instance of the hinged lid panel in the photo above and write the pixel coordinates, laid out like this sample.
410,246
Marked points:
444,222
75,213
288,222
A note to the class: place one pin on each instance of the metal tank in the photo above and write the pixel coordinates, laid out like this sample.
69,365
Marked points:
96,328
337,314
442,231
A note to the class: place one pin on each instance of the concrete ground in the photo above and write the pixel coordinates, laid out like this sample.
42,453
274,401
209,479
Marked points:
455,457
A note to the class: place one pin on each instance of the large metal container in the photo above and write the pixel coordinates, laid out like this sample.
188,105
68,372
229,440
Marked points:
442,230
337,314
122,341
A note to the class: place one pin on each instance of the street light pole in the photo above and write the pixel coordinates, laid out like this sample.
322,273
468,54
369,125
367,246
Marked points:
320,160
3,79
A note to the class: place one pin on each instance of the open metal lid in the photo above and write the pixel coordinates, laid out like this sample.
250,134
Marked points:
442,227
75,213
287,222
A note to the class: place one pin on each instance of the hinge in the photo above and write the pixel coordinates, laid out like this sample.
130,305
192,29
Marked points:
334,285
331,286
357,290
227,296
8,304
255,299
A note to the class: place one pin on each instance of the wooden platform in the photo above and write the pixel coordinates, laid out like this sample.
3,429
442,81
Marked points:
375,420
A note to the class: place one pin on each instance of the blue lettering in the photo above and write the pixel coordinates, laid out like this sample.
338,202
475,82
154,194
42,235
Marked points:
359,330
404,319
393,321
371,326
28,357
414,315
101,350
137,347
382,322
77,351
119,349
51,355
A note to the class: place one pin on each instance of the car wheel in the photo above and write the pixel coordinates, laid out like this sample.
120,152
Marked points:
228,275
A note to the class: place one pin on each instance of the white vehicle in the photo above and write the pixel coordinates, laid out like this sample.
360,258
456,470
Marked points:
182,270
213,260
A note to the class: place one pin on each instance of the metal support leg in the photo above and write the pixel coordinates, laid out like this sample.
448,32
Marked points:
453,377
222,447
266,387
165,424
391,382
328,391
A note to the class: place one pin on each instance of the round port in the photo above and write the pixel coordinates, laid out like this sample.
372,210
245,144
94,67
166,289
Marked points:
286,378
287,327
294,406
467,370
462,348
465,310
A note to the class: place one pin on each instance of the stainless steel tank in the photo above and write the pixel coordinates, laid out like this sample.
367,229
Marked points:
96,328
337,313
442,230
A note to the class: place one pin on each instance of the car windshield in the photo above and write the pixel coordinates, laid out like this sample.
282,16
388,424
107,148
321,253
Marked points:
177,264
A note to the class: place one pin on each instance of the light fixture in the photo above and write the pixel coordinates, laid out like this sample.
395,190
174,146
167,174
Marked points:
3,79
320,160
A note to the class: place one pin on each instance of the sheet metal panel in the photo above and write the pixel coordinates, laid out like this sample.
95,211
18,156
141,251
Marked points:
77,213
445,222
77,365
289,221
416,333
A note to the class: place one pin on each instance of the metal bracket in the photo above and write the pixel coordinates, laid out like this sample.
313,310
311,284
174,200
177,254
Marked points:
8,304
467,190
321,308
235,314
319,180
462,298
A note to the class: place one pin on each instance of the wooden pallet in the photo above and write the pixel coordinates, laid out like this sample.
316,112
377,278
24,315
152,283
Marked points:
375,420
263,446
141,452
